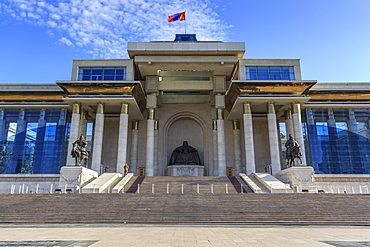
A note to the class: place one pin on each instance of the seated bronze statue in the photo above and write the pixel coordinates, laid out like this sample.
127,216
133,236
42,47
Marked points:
185,155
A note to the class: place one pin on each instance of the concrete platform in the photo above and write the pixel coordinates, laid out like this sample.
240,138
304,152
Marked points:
167,235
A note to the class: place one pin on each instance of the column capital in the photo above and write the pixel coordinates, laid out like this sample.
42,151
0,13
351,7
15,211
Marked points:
296,107
270,107
42,115
247,108
288,114
76,108
351,114
124,108
151,113
220,114
21,114
83,115
214,124
100,108
235,124
156,125
135,125
330,114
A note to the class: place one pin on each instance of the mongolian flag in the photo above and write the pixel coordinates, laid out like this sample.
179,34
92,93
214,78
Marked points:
177,17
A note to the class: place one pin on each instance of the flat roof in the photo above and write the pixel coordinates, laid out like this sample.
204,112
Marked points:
186,48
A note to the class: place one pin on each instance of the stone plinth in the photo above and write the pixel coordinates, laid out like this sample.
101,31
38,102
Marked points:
300,177
185,170
75,176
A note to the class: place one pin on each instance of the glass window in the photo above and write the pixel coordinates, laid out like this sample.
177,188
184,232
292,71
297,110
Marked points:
338,140
102,74
33,141
269,73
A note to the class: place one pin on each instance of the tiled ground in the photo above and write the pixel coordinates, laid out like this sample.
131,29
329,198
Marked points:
162,235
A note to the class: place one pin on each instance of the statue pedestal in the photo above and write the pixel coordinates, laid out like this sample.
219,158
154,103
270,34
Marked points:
185,170
72,177
299,177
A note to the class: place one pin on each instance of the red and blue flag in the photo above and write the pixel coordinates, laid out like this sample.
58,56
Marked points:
177,17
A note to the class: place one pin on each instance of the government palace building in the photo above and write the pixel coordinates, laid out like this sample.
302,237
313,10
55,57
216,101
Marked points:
186,108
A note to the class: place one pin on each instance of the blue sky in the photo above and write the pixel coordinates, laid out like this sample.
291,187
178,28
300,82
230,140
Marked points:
39,38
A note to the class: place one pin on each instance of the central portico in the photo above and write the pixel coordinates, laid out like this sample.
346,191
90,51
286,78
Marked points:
175,91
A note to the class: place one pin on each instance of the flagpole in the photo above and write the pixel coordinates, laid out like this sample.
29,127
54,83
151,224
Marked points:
185,21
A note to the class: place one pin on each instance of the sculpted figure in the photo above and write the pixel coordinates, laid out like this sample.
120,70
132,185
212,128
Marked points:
79,151
185,155
125,168
293,150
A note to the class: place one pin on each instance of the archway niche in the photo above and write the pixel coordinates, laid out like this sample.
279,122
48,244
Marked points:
185,129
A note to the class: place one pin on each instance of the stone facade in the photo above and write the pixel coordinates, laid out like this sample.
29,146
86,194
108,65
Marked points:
137,110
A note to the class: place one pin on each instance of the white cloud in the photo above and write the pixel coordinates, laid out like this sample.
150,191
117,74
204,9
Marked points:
102,28
66,41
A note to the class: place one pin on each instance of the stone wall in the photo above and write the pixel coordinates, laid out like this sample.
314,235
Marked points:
28,182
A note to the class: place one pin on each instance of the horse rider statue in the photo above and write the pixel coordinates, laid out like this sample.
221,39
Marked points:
293,151
79,151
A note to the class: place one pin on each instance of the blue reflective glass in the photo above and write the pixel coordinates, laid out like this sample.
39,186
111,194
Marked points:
270,73
102,73
97,72
33,141
338,144
109,72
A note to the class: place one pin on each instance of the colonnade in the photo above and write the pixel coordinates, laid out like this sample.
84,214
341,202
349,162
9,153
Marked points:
293,126
78,127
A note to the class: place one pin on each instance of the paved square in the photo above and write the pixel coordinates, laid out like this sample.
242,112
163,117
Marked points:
166,235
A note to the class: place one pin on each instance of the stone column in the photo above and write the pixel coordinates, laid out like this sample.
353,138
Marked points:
336,164
122,138
250,166
19,141
73,133
3,130
289,123
357,159
221,143
352,123
368,130
237,148
98,139
150,143
83,122
273,138
155,164
214,167
134,145
297,125
39,145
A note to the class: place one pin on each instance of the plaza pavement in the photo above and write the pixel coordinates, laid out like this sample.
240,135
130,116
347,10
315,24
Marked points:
188,235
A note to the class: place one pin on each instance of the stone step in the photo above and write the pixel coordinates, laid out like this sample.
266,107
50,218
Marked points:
283,209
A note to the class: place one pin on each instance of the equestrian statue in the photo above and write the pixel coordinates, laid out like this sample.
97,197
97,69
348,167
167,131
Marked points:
293,151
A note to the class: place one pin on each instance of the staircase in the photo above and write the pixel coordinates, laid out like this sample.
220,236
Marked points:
187,185
187,208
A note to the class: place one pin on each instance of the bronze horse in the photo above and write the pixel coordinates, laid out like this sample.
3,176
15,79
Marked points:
293,152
